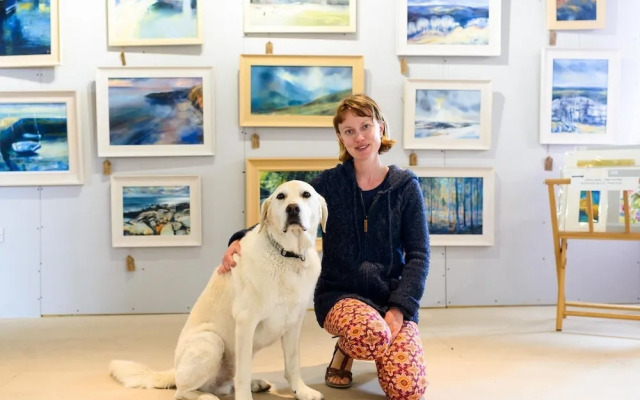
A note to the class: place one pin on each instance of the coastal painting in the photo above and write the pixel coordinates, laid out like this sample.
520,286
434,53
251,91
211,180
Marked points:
447,114
303,16
296,91
576,14
458,203
29,33
157,112
39,142
156,211
449,27
153,22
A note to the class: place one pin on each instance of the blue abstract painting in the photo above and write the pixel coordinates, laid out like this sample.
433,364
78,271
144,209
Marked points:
576,10
25,27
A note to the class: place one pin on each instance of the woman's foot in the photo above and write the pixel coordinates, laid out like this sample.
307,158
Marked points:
338,373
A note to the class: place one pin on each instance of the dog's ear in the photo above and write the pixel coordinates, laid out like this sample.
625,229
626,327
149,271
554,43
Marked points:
322,205
264,213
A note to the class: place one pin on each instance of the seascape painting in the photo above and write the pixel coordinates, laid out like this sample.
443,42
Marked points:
299,16
153,22
25,26
156,210
447,114
595,206
454,205
576,10
155,111
579,96
34,137
298,90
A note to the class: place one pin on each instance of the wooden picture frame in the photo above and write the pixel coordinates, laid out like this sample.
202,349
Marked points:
127,26
257,190
295,16
475,219
447,114
306,98
155,211
576,14
40,45
453,33
130,100
40,142
579,96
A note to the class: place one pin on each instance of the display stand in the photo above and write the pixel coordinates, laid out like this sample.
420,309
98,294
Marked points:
560,239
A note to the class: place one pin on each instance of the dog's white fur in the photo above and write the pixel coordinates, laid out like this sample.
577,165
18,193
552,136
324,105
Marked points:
263,299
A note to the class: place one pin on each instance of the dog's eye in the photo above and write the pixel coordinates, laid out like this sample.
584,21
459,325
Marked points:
280,196
306,194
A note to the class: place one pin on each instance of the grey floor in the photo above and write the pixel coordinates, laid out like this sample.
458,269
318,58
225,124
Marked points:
473,353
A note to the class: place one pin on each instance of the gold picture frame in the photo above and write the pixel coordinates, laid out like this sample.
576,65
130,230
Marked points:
315,98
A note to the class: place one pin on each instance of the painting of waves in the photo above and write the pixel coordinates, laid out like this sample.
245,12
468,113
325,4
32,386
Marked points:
155,111
156,210
579,96
447,114
25,27
576,10
299,90
454,22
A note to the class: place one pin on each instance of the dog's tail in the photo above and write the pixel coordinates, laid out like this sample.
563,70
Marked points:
136,375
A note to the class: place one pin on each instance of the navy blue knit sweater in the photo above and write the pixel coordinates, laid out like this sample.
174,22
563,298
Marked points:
387,265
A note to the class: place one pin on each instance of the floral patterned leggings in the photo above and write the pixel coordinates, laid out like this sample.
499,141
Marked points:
363,334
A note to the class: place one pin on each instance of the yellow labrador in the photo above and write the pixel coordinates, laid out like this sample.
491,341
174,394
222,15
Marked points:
263,299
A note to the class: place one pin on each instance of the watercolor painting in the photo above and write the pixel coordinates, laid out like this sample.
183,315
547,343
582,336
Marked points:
576,14
595,206
153,22
576,10
299,16
634,207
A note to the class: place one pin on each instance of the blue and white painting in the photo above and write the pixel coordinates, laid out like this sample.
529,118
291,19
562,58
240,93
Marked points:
576,10
25,27
156,210
155,111
298,13
579,96
298,90
447,114
34,137
453,22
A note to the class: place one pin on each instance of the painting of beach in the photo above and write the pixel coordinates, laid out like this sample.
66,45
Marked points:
156,210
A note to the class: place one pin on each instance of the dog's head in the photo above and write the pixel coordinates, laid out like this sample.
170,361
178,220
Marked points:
292,213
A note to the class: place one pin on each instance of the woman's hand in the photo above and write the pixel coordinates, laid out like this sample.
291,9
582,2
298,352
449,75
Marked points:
394,319
227,258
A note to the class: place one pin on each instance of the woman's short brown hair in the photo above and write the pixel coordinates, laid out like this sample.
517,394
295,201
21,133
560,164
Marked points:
362,106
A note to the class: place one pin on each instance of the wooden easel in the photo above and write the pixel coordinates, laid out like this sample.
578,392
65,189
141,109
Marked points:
560,239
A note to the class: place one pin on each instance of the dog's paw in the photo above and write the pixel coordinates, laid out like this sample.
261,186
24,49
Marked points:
306,393
259,385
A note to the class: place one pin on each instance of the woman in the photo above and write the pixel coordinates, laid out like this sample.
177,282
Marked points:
375,256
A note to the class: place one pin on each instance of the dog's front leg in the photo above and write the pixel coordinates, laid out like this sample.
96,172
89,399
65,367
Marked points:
291,350
245,332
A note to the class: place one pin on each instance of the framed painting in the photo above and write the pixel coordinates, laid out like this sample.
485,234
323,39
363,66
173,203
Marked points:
264,175
29,34
576,14
579,92
448,27
145,22
299,16
155,211
440,114
278,90
154,112
40,143
459,203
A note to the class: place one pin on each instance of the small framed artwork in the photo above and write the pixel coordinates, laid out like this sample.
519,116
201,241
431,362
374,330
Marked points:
154,23
576,14
30,35
154,112
155,211
296,16
578,96
459,203
40,143
278,90
441,114
264,175
448,27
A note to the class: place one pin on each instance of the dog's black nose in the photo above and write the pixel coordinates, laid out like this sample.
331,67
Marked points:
293,210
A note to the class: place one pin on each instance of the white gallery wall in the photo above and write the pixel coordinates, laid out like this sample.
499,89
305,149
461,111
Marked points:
56,255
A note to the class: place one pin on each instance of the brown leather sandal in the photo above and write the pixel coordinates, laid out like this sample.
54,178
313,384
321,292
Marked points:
340,373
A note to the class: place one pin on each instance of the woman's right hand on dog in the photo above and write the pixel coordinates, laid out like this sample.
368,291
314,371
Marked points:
227,258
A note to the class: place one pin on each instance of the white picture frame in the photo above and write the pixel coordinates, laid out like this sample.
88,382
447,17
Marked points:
447,114
285,17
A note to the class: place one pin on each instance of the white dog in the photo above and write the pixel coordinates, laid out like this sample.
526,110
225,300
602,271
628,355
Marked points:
263,299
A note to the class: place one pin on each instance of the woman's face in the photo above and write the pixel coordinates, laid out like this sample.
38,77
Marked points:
360,135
